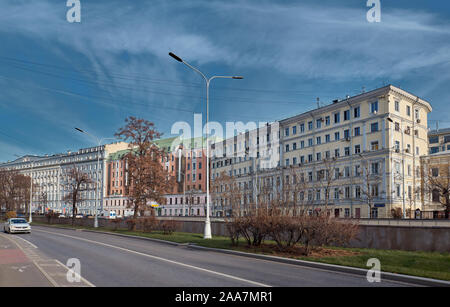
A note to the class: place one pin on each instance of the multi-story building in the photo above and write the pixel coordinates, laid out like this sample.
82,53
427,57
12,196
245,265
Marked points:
371,143
436,173
183,161
49,175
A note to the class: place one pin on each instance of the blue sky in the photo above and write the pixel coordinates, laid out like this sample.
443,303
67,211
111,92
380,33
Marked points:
56,75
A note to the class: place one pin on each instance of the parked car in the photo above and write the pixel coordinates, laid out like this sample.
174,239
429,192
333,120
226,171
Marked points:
17,225
79,216
62,216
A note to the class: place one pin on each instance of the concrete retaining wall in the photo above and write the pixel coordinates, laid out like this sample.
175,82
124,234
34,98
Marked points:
399,237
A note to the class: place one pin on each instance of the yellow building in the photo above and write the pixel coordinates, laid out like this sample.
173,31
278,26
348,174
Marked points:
370,146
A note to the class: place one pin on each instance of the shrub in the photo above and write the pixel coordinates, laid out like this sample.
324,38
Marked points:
51,215
149,224
131,224
168,227
11,215
115,222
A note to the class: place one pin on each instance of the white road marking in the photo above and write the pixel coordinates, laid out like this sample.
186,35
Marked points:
34,246
161,259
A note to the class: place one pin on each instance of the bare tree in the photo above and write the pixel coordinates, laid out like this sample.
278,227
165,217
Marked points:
14,190
148,179
77,184
437,184
370,185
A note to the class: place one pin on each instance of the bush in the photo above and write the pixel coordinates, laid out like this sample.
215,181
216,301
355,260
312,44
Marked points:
168,227
149,224
287,231
50,215
131,224
11,215
116,223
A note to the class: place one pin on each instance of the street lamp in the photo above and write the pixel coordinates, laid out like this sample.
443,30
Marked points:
99,141
207,234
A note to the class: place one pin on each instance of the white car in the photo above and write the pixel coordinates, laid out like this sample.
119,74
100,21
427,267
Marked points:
16,225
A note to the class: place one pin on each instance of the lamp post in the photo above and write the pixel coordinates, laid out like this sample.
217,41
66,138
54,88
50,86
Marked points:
207,234
99,141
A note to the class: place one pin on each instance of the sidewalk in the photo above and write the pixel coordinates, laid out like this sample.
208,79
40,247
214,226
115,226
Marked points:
16,269
22,264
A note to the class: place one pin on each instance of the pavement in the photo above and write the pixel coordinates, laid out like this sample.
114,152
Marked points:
107,260
22,264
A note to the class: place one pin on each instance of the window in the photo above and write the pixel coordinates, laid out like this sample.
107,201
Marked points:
397,106
336,136
357,149
336,153
416,113
287,148
346,134
318,156
356,112
327,120
337,118
327,154
375,168
310,125
357,131
286,132
374,127
357,192
357,170
374,145
346,115
408,110
302,144
434,150
310,158
319,123
302,128
310,142
294,161
327,138
436,196
447,139
294,146
374,107
435,172
287,162
294,130
318,140
434,140
336,193
397,127
347,151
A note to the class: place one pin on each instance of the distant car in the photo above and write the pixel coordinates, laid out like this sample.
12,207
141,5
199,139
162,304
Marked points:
62,216
17,225
79,216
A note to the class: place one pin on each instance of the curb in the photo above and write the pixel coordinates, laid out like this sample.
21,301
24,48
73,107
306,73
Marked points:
415,280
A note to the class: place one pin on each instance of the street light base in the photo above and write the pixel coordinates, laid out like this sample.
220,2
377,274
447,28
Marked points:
207,234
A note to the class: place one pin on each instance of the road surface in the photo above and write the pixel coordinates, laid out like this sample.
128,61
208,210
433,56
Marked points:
108,260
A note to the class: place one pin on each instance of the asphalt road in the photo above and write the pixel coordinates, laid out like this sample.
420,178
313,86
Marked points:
108,260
